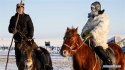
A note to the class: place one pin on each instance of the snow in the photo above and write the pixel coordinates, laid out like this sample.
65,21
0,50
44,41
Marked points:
59,63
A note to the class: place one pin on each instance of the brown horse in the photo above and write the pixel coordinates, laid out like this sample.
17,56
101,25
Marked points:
30,57
83,56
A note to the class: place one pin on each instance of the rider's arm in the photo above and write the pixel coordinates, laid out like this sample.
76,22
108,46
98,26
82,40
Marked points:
85,29
11,25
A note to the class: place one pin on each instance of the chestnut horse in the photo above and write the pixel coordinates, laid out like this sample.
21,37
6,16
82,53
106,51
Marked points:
29,59
83,56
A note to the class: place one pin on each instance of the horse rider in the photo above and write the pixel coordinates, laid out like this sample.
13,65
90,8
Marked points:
23,29
96,29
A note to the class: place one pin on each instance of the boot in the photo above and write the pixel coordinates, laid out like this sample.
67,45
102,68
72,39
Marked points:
103,56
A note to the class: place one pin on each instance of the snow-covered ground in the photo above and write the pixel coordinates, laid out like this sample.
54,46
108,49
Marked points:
59,63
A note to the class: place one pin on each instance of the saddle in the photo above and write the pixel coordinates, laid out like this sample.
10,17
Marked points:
109,51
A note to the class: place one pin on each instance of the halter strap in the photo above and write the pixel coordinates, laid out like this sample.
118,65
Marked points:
73,48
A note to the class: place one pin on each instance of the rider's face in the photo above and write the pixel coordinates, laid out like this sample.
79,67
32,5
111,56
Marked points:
20,9
93,10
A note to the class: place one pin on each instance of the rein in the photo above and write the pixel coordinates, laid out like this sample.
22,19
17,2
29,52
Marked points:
73,48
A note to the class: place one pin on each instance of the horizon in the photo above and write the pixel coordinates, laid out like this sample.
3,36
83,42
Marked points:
53,41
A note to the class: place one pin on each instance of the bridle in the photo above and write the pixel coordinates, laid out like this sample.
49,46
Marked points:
72,47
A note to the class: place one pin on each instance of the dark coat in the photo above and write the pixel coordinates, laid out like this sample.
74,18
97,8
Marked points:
24,25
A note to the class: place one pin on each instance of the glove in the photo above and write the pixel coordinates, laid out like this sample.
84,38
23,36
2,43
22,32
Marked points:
85,33
87,36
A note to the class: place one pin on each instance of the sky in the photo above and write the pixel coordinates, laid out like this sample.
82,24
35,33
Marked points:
52,17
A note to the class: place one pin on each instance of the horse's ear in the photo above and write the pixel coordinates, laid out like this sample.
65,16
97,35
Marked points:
67,29
76,29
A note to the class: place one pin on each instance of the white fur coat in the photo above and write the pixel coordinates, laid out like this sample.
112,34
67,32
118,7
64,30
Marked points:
99,28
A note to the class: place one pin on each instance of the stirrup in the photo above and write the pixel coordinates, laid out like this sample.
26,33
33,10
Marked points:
109,61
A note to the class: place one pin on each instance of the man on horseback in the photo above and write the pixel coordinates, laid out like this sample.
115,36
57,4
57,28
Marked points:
22,27
96,29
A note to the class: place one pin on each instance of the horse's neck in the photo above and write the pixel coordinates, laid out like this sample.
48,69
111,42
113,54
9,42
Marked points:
83,52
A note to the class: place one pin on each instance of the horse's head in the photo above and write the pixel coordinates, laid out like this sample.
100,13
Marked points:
26,49
70,43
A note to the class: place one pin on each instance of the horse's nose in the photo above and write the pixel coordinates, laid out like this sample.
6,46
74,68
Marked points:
28,64
65,53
